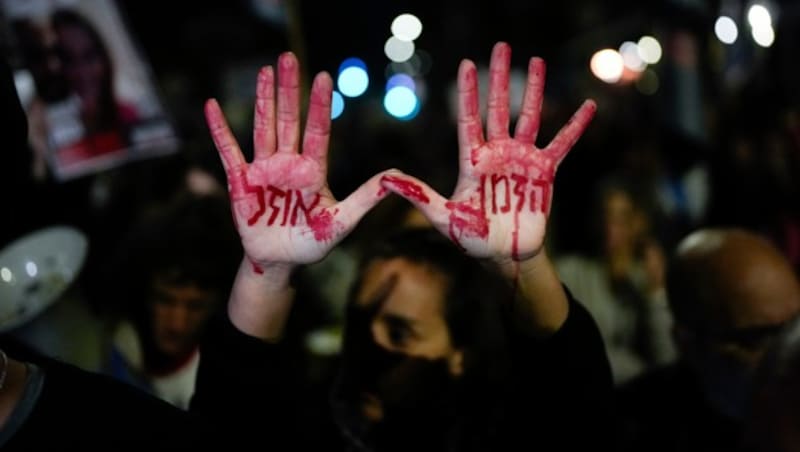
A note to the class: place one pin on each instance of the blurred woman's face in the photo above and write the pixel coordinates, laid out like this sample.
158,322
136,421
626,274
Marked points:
621,222
410,319
405,305
84,65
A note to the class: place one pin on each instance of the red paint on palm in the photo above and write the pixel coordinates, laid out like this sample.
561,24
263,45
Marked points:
300,206
248,200
408,189
323,226
467,221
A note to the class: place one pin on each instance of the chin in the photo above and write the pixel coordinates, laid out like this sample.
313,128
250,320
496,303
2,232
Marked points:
371,408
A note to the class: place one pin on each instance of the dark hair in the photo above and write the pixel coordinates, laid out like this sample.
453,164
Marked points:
191,241
477,313
69,18
477,299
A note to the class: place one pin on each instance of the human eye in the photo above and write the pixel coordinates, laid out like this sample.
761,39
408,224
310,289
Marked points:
399,335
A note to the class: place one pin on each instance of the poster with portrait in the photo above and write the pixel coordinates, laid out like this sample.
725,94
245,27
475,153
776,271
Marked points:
88,93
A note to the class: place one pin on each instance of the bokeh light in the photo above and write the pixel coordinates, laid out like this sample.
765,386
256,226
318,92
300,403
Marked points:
406,27
401,102
764,36
353,79
401,80
337,105
398,50
758,17
630,56
607,65
726,30
649,50
648,83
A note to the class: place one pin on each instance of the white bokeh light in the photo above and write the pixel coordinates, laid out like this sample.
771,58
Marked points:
607,65
6,274
406,27
758,17
630,56
649,50
764,36
726,30
398,50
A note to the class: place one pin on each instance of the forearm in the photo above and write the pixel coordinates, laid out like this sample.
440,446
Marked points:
540,303
261,301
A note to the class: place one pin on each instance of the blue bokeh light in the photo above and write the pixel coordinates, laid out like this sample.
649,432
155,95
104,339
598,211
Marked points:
401,80
401,102
353,79
337,105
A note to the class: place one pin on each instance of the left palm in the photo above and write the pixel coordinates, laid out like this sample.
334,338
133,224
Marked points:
502,198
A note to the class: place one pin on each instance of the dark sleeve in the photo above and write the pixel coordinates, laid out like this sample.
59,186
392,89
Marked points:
239,401
243,387
563,385
81,411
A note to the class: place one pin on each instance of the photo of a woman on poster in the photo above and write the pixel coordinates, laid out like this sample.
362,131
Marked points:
80,123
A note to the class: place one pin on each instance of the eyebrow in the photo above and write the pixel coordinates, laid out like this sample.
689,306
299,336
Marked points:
376,300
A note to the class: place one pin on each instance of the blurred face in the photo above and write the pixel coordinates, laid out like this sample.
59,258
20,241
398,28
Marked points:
402,307
179,314
41,46
84,65
621,222
755,305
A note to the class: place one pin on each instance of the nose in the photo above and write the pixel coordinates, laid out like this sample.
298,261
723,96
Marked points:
178,319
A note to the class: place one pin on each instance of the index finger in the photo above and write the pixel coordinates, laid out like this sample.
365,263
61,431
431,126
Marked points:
572,130
226,144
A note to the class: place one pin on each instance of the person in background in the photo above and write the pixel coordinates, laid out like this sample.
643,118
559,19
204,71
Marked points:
775,414
730,292
623,286
171,288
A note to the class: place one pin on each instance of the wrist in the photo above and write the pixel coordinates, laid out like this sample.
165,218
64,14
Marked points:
513,270
277,274
261,299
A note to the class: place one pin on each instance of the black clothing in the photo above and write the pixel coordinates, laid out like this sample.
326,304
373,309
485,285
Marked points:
234,405
666,411
558,395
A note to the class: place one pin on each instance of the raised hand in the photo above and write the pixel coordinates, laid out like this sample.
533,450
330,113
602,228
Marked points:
282,206
502,198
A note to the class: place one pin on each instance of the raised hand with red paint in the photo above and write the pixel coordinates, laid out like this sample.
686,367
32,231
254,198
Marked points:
502,198
283,208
